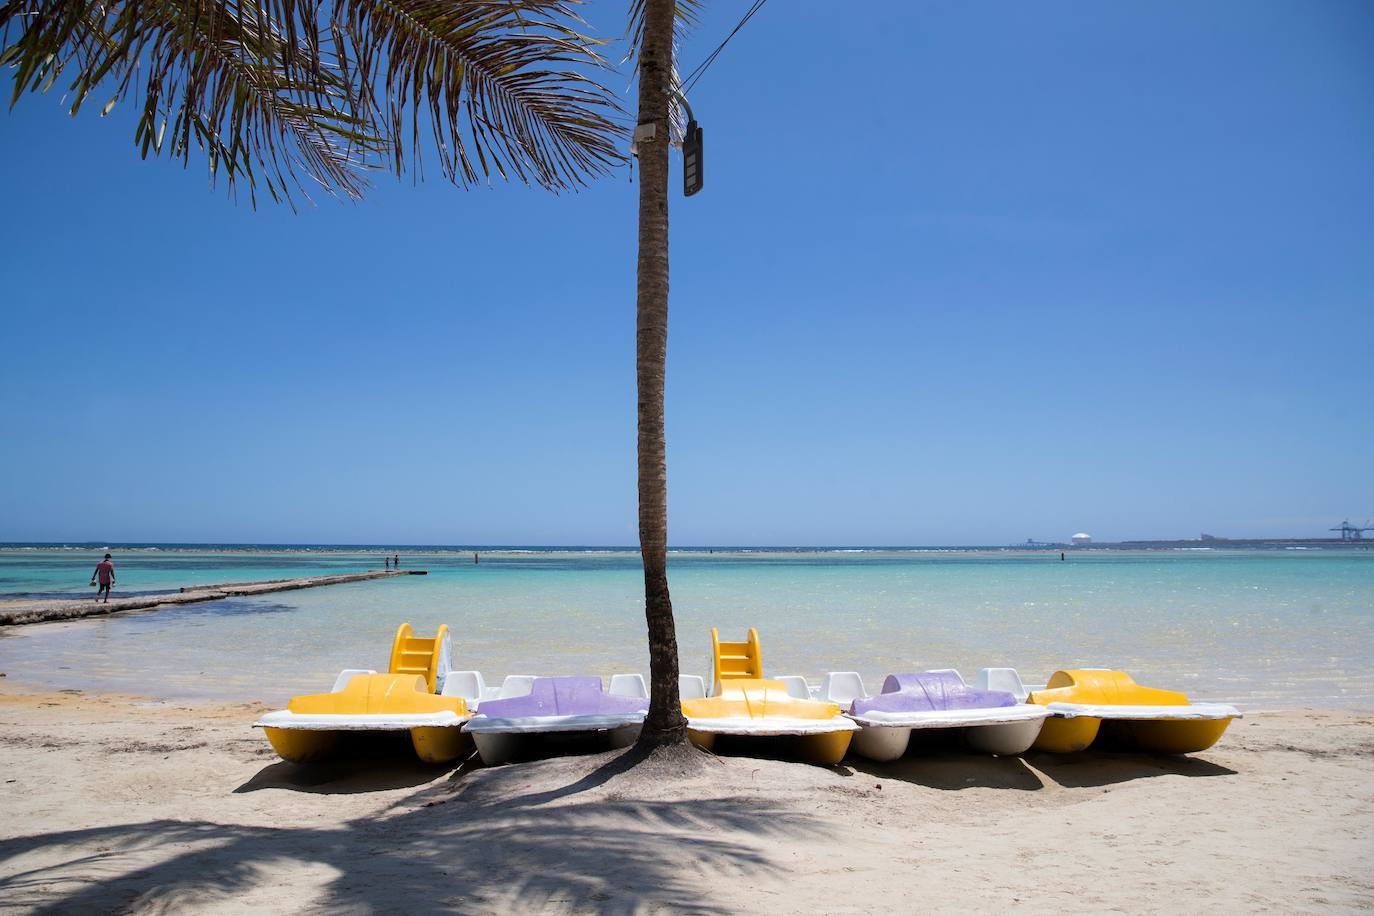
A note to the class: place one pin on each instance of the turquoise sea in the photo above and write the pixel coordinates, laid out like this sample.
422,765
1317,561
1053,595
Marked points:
1265,628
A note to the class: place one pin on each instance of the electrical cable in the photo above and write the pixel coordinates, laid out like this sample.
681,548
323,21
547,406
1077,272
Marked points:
691,79
695,76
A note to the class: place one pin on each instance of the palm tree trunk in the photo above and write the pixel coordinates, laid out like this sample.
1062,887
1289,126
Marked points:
664,723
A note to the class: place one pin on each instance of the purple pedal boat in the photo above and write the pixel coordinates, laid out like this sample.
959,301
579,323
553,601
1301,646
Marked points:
993,720
554,704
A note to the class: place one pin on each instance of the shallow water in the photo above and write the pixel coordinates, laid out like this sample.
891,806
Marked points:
1267,628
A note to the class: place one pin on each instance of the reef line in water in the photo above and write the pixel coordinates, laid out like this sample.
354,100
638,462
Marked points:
22,612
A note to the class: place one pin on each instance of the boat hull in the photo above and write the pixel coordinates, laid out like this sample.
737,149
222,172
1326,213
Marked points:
1005,740
300,746
824,749
1164,736
1067,736
1096,703
1154,736
886,743
440,745
881,743
497,748
437,744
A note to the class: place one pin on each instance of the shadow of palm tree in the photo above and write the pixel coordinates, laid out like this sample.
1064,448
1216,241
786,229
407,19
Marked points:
477,852
613,764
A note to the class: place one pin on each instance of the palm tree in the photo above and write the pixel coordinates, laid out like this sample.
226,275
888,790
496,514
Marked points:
656,21
289,95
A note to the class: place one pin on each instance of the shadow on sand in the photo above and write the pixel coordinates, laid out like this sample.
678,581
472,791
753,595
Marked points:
1090,769
953,771
484,847
345,776
944,762
474,843
375,762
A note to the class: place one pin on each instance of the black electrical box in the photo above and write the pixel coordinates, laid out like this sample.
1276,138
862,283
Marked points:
691,160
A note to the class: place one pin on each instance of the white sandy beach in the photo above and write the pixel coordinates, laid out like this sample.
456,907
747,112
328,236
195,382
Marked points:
113,804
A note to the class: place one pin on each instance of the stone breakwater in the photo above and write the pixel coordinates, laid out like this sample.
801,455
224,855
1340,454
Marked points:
22,611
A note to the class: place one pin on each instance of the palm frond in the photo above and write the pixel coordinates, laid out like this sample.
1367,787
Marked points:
289,94
495,80
257,93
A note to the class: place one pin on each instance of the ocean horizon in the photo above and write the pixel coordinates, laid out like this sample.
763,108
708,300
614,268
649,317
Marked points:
322,547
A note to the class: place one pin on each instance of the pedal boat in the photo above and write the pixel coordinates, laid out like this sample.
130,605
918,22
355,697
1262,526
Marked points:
745,704
762,708
313,726
503,727
1086,704
992,721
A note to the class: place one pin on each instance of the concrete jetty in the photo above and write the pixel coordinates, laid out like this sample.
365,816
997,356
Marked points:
22,611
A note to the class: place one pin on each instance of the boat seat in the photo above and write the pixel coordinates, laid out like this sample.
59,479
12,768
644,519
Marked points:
1104,686
796,686
466,684
691,687
628,685
516,685
843,688
347,675
1004,679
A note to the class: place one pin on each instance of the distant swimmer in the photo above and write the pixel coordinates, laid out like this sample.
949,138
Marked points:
475,561
1061,556
104,571
388,562
396,561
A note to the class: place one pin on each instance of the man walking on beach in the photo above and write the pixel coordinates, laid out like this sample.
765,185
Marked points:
104,571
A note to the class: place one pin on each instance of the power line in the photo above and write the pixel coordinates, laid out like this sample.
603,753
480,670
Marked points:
695,76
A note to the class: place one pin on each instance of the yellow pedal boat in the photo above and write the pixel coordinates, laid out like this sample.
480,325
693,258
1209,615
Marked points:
1087,703
402,700
746,704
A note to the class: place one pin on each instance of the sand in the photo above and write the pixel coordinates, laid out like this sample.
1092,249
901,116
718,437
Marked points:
115,804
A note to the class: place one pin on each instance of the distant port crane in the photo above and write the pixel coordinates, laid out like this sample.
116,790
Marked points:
1351,532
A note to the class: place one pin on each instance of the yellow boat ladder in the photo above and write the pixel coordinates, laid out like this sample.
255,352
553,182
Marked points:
734,660
411,654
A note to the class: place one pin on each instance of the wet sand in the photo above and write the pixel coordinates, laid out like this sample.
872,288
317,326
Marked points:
115,804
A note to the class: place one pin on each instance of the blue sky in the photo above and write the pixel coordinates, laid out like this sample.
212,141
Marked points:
962,273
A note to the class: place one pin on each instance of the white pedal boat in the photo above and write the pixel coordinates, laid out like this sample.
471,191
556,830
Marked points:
504,725
993,719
